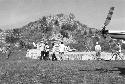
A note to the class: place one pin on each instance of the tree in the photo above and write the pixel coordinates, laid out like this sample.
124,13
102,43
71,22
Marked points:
44,19
1,30
56,23
43,22
85,32
123,46
69,27
11,39
71,16
60,15
64,34
16,32
90,31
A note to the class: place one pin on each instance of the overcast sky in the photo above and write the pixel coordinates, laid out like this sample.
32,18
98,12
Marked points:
16,13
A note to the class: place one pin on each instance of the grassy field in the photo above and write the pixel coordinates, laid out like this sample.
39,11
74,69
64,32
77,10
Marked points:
21,70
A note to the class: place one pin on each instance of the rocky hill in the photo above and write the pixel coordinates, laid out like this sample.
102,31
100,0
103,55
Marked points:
59,27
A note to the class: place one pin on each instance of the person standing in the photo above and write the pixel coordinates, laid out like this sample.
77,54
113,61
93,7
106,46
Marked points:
98,51
46,57
53,52
61,50
42,46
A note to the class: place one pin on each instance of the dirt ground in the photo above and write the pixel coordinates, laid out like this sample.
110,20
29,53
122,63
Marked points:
21,70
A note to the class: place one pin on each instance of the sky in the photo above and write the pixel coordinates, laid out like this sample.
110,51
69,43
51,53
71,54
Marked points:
17,13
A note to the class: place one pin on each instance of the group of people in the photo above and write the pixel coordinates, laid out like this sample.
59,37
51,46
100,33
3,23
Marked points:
45,50
61,51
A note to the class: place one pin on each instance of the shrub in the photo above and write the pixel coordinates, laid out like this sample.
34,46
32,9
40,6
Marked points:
123,46
69,27
11,39
64,33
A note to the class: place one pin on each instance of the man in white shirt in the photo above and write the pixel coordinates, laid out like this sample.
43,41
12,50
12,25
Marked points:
61,50
98,50
42,46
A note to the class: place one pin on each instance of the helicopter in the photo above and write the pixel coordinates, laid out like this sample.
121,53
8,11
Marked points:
114,35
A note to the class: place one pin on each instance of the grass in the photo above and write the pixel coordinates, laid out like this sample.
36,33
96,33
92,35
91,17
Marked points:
21,70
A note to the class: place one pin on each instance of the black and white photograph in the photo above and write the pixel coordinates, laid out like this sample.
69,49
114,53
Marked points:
62,41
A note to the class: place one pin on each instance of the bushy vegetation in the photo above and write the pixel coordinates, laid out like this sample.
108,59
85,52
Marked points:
73,33
123,46
11,39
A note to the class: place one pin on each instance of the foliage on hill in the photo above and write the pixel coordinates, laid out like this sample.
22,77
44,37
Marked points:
58,27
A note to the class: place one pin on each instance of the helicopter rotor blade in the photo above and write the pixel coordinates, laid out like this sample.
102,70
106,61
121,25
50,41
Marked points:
109,16
107,21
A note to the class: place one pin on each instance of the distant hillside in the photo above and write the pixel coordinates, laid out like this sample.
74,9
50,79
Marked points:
60,27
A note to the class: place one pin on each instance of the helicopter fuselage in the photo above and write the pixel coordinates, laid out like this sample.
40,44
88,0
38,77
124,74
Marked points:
117,35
